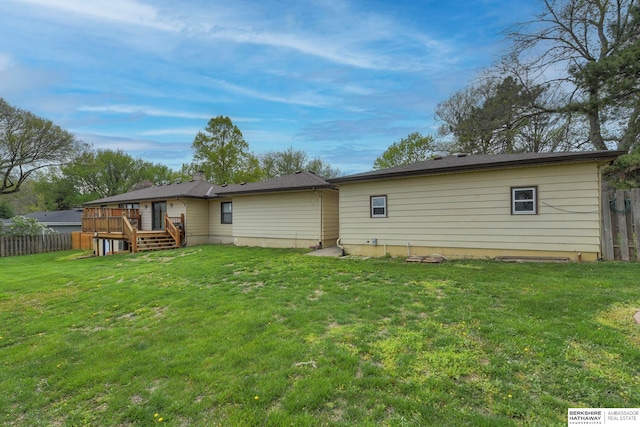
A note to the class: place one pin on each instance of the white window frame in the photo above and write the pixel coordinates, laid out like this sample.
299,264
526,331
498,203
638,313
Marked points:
515,201
372,207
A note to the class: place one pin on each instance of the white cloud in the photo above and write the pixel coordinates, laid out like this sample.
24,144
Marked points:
308,99
18,79
320,47
6,62
171,131
333,34
171,154
148,111
120,11
115,142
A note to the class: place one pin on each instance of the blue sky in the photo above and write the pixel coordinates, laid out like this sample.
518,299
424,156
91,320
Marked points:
341,80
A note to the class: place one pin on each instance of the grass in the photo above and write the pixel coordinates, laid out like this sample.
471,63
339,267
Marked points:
219,335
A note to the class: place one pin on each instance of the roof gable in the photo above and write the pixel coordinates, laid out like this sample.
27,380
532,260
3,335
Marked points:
200,189
302,180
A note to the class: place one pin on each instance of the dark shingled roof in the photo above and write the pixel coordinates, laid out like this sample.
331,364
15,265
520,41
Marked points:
467,163
302,180
66,216
198,189
203,190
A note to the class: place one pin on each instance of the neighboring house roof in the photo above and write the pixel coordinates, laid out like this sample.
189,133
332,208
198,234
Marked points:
201,189
198,189
55,218
301,180
473,162
66,217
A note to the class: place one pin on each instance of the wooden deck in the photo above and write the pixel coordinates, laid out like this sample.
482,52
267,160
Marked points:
109,220
124,224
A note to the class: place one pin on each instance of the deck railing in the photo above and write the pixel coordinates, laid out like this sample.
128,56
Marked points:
130,233
126,223
173,229
108,220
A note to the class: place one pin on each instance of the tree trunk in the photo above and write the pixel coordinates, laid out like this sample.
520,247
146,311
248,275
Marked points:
593,112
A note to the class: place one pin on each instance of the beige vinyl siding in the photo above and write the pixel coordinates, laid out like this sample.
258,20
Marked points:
291,215
330,218
196,221
146,211
473,210
218,232
175,208
146,215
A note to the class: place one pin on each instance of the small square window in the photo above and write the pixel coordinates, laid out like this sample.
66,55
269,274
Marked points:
378,206
226,213
524,200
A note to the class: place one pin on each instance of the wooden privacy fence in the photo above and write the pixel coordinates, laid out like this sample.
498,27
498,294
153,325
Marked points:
80,240
27,245
621,224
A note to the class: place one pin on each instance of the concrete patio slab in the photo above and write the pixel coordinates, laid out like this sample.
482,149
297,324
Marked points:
332,251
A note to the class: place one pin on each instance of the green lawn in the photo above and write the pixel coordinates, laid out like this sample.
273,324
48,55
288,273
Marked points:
219,335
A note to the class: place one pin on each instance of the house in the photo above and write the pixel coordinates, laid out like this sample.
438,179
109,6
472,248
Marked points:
64,221
543,205
293,211
298,210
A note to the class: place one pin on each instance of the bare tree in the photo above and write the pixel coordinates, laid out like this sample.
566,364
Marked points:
29,143
570,44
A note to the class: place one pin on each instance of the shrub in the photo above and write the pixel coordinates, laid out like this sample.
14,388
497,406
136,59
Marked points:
24,226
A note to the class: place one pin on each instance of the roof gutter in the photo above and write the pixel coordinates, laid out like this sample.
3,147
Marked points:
143,199
275,190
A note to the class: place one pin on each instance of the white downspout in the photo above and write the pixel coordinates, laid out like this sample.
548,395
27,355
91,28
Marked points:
321,221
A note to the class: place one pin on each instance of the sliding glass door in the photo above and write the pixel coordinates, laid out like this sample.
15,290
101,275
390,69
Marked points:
159,211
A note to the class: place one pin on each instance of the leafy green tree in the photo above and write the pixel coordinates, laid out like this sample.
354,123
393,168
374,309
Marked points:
98,174
624,172
27,199
503,113
496,126
279,163
28,144
6,210
322,168
58,192
414,148
222,154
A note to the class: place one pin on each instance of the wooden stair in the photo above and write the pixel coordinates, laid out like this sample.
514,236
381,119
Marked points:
155,242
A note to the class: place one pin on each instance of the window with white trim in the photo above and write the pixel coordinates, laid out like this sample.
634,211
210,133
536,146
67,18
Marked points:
524,200
378,206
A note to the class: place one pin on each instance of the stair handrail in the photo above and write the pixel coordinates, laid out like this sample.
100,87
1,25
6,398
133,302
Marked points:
130,233
172,229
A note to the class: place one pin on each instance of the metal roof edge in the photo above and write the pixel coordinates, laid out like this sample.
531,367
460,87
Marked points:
143,199
274,190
